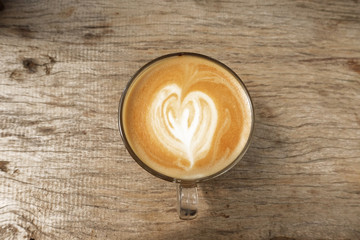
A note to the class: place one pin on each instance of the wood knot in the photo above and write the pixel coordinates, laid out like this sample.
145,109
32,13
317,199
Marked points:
3,166
30,64
354,65
2,7
17,75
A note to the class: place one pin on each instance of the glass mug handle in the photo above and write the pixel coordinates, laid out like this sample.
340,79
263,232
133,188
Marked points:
187,200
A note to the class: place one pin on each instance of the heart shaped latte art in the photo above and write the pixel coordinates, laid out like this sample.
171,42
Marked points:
185,127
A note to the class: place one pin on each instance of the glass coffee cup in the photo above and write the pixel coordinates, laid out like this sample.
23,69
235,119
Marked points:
186,118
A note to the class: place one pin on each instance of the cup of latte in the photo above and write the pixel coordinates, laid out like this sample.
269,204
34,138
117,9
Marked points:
186,118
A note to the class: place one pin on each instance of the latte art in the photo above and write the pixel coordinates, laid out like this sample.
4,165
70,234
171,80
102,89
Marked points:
186,117
186,127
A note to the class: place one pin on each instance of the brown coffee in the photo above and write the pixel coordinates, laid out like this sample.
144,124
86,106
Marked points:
186,116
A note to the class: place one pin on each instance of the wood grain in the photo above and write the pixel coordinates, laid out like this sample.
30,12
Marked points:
65,174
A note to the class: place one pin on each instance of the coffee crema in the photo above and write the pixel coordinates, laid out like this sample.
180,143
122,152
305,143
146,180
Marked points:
186,116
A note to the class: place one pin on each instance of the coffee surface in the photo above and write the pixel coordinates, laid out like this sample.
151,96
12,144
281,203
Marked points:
186,117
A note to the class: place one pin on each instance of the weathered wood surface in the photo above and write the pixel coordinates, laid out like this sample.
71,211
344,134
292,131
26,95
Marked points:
65,174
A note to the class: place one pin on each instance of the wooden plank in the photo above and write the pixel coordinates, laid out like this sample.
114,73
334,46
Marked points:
65,174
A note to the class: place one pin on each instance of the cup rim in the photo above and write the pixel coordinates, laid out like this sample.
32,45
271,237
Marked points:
161,175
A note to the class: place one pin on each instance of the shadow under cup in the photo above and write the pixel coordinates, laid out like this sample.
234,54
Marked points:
187,196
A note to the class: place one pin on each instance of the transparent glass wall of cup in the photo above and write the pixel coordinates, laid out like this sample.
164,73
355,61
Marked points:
187,196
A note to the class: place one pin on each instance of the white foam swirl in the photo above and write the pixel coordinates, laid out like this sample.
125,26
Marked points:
186,128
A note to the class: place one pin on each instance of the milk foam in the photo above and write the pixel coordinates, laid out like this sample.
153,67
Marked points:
185,127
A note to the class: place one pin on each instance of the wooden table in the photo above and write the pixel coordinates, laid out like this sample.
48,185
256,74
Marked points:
65,173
